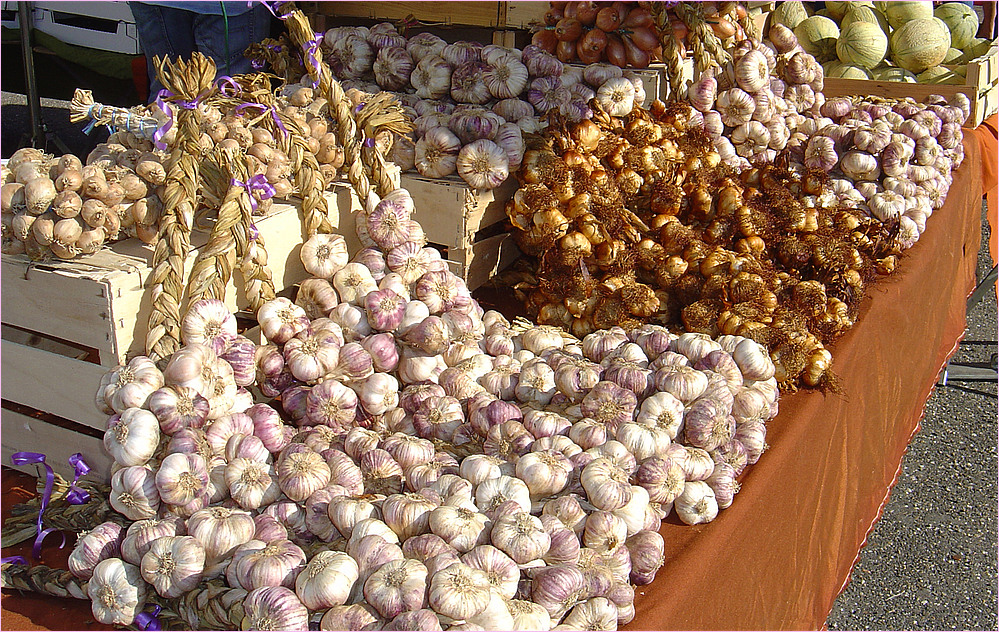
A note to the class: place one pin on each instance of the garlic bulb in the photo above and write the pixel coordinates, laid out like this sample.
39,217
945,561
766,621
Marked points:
462,527
103,542
209,322
431,77
408,515
327,580
483,164
323,255
558,588
182,478
353,282
280,320
493,492
528,615
133,439
221,530
117,592
617,96
467,85
437,153
521,536
397,586
128,386
606,484
251,483
301,471
274,608
392,67
134,493
257,564
178,407
459,591
506,78
546,473
696,505
173,565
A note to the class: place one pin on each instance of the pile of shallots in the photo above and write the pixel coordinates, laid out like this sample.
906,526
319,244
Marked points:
424,465
61,207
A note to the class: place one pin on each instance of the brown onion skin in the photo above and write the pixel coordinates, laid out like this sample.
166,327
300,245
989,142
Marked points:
566,52
614,51
587,56
568,30
637,17
545,40
644,38
552,16
587,12
594,42
636,57
722,27
571,9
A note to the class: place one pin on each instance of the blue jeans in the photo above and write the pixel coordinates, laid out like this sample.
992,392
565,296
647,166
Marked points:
179,32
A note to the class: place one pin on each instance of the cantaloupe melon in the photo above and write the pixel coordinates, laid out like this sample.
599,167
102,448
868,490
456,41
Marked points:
893,74
919,44
847,71
817,35
862,44
790,14
961,20
898,13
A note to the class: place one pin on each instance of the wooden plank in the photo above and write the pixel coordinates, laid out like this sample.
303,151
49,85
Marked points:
451,212
486,258
468,13
27,434
520,15
54,383
62,302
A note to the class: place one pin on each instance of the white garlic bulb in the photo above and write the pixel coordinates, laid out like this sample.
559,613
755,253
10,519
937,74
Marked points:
117,592
327,580
483,164
697,504
174,565
459,591
323,255
133,439
437,153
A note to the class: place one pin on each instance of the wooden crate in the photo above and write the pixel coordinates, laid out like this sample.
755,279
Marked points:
65,323
501,15
981,86
465,223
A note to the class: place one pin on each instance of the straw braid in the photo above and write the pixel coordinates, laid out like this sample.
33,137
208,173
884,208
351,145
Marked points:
705,44
672,54
213,267
258,283
308,180
187,80
210,606
337,102
60,514
42,579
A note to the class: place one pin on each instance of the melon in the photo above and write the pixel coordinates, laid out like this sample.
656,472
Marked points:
894,74
848,71
862,44
839,9
790,14
865,14
977,48
952,57
817,35
940,75
919,44
898,13
961,20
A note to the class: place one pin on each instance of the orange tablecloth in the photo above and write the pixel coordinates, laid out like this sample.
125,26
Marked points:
987,133
779,556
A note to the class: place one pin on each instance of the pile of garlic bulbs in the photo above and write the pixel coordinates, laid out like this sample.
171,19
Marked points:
425,464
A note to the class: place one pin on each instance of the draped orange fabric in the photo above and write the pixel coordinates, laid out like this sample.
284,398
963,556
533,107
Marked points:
779,556
987,134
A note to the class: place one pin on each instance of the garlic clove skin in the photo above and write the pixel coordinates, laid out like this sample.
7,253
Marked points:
323,255
173,565
274,608
359,616
117,592
459,591
209,322
327,580
134,494
397,586
134,439
130,386
500,569
697,504
102,543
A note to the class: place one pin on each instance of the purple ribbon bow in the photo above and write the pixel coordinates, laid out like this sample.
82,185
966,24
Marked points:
227,86
14,559
273,111
312,57
165,107
76,496
149,621
272,7
265,190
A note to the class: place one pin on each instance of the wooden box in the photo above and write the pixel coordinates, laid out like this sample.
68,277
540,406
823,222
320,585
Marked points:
66,323
500,15
981,86
466,224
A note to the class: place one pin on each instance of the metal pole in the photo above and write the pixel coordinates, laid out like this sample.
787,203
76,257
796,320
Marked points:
34,100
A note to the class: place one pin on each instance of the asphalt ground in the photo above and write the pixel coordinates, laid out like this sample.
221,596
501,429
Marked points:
930,563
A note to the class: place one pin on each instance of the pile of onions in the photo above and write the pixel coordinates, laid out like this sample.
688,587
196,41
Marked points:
638,220
425,464
622,33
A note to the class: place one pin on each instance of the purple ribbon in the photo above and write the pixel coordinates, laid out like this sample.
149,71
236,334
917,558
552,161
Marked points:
265,190
273,111
369,142
149,621
227,86
76,495
254,231
14,559
312,56
257,64
272,9
165,107
360,106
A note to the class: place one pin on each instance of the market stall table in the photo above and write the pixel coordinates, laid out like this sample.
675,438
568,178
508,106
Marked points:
779,556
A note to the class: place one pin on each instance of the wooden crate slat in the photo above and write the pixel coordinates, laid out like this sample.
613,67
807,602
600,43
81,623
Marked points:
520,15
27,434
468,13
63,302
57,384
451,212
486,258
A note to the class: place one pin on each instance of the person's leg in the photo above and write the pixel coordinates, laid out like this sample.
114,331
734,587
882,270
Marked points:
224,38
162,31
